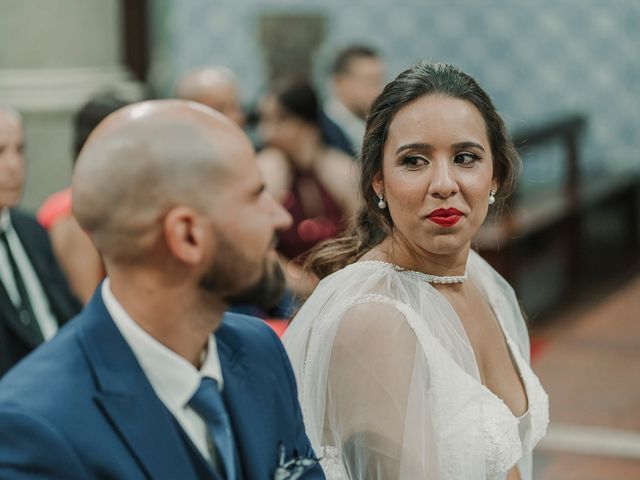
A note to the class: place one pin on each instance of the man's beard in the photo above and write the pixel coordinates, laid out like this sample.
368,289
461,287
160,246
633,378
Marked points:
267,291
226,274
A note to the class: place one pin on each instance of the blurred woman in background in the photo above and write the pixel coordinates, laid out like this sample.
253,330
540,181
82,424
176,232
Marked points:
316,183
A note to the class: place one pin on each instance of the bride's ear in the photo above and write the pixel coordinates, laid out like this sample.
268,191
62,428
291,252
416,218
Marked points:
378,183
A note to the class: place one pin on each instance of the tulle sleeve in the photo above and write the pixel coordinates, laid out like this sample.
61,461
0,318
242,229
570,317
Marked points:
371,371
368,414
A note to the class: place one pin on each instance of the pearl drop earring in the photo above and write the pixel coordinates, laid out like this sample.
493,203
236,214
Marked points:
381,203
492,197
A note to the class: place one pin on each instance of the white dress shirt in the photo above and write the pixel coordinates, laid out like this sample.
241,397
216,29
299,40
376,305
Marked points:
173,378
37,296
352,125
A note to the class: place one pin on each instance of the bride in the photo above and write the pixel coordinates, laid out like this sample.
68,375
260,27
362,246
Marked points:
412,355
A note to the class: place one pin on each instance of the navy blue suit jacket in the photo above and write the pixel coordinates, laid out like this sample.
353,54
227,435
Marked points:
80,407
14,340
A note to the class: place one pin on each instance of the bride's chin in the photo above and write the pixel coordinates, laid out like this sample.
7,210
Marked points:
446,245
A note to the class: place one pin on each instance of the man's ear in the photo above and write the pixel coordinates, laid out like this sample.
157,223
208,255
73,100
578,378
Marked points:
378,183
186,235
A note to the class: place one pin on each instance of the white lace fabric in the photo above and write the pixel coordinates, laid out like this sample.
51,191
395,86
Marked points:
389,385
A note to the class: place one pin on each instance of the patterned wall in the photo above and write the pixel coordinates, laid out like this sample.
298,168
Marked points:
537,58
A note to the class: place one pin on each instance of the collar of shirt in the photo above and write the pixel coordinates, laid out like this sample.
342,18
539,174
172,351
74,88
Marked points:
173,378
5,220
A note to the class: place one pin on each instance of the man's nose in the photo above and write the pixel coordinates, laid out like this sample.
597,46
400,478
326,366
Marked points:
282,219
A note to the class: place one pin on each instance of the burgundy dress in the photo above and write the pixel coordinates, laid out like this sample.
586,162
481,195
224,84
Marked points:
316,215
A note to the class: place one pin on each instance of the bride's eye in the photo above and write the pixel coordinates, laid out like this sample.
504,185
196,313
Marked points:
413,162
466,158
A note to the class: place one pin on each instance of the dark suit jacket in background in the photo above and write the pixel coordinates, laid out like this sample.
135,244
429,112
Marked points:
14,345
80,407
334,136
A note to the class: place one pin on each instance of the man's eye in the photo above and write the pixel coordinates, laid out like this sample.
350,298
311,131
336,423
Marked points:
465,158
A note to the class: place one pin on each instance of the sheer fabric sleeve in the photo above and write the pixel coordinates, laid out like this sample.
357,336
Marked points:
375,370
387,379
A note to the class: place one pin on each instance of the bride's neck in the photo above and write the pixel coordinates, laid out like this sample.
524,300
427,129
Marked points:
395,250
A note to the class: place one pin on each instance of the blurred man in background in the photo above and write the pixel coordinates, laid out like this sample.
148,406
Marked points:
215,87
34,296
357,77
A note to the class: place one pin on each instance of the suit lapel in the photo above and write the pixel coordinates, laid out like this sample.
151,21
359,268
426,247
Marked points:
50,284
241,393
128,400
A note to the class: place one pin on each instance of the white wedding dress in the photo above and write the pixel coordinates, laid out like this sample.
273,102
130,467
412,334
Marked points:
389,384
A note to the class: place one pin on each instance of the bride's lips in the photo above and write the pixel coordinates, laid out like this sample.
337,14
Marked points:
445,217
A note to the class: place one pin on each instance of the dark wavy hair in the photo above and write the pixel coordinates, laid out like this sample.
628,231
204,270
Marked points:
297,97
87,118
372,224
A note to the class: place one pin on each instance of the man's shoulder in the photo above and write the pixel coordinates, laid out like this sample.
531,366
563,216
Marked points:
236,327
252,336
22,219
334,134
31,233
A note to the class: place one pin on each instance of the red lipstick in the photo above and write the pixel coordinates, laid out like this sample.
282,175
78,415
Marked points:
445,217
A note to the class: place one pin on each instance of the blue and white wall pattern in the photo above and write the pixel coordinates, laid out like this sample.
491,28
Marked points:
537,58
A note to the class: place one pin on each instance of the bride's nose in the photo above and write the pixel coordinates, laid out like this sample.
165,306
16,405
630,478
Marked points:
442,182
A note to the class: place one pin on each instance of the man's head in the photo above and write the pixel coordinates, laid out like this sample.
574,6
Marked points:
174,186
12,163
358,76
215,87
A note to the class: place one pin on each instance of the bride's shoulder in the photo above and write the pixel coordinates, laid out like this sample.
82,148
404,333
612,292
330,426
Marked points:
375,282
364,281
361,276
371,266
371,317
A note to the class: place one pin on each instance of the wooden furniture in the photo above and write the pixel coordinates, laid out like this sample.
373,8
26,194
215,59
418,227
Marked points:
555,225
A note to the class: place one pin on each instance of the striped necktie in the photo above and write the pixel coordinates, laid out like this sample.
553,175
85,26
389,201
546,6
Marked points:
25,310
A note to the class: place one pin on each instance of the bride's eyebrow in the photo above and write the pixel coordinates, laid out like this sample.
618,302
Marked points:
468,145
414,146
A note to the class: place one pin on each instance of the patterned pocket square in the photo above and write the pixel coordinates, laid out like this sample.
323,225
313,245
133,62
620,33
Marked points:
293,468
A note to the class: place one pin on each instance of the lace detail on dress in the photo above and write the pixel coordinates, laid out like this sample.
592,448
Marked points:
331,464
503,447
375,297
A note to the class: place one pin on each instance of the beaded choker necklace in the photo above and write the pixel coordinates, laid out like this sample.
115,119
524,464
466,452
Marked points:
440,279
427,277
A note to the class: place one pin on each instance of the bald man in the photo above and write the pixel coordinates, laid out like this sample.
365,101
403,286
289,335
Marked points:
34,296
215,87
152,380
